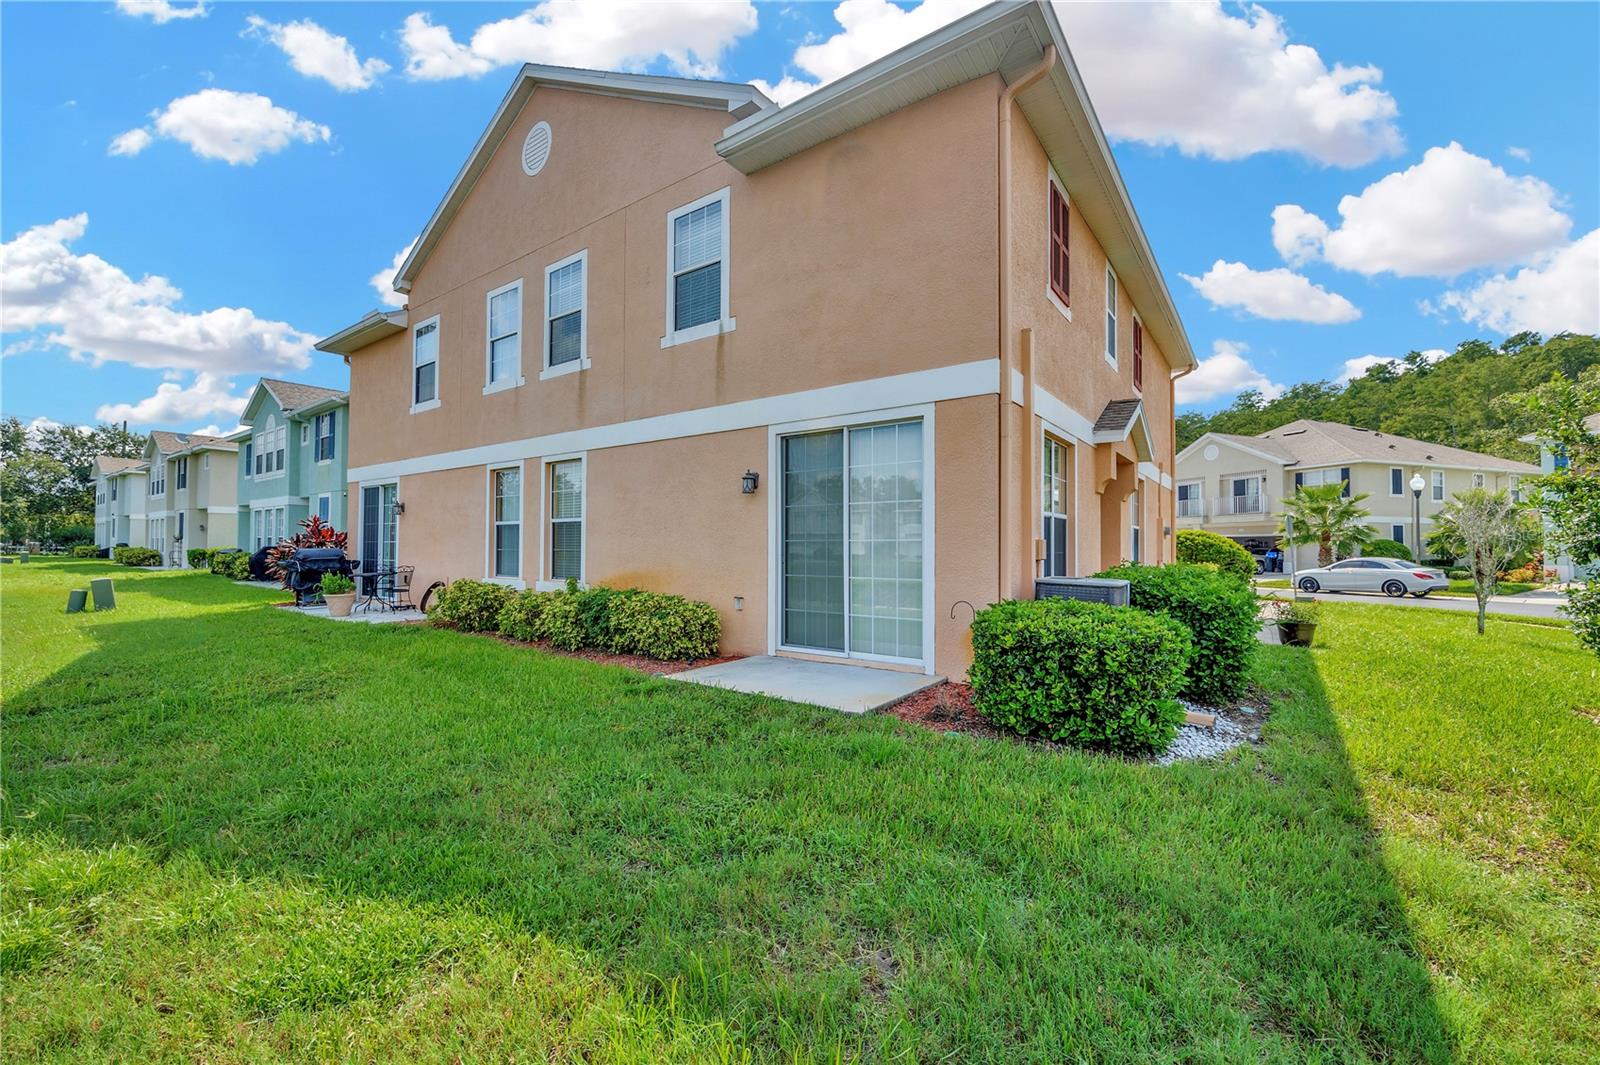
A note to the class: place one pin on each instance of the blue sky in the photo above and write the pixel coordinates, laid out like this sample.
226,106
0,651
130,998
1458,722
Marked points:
267,170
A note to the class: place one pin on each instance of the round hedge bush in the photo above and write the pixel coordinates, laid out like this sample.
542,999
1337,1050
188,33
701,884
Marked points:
1229,556
1087,674
471,606
1386,549
1218,610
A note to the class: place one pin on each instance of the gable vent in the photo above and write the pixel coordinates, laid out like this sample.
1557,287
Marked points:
536,149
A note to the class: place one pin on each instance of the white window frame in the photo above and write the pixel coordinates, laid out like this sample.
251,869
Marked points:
1178,500
333,435
249,449
1402,481
511,380
1398,527
490,524
547,371
1069,456
305,434
317,510
180,473
544,582
1049,292
1135,527
1436,483
438,352
1479,480
1111,349
271,437
724,324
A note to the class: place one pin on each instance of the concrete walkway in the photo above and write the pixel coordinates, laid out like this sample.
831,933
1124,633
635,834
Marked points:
853,689
369,617
1541,604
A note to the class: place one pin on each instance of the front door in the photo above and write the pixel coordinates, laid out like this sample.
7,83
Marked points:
852,541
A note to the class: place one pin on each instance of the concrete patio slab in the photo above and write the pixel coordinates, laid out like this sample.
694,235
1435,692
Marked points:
373,617
853,689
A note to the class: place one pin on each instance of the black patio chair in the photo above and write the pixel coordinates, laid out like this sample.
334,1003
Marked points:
400,588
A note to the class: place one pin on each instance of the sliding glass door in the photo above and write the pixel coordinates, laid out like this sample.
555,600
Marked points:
378,539
852,541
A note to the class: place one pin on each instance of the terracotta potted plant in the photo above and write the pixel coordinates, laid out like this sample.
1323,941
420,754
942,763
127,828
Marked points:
339,592
1297,621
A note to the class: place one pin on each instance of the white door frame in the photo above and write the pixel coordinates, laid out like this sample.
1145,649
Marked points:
775,434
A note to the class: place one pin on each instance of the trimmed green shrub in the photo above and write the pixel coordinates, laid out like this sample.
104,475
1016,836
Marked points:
594,606
237,567
519,618
219,560
137,556
85,551
1229,556
1386,549
1459,574
1218,611
1091,675
200,557
667,627
472,606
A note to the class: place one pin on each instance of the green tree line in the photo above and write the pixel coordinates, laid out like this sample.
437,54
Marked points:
47,478
1466,399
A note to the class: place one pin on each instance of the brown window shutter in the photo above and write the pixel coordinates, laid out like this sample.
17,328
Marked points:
1138,354
1058,245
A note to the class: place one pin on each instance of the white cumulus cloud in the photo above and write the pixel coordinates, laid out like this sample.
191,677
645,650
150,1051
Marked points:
1190,75
1297,233
691,36
1559,292
1358,366
1450,213
382,281
172,403
318,53
1224,372
162,11
99,314
237,127
130,143
1278,294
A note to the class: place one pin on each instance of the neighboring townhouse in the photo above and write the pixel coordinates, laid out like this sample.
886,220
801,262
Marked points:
848,369
190,493
1236,485
1551,459
292,454
119,498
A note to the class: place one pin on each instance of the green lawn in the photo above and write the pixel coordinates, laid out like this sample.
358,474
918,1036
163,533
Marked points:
235,834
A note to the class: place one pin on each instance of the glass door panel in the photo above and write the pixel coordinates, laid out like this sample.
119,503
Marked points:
886,540
813,541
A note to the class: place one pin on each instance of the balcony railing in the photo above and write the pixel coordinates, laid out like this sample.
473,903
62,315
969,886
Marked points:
1252,505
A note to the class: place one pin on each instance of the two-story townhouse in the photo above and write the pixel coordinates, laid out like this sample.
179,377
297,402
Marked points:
119,497
1236,485
190,493
845,369
1551,458
292,460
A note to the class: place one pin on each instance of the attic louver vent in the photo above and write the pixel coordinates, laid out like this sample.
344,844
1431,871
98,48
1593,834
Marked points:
536,149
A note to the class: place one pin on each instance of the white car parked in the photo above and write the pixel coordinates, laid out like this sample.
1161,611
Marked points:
1387,575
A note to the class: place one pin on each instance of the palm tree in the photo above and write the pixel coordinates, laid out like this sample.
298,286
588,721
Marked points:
1323,515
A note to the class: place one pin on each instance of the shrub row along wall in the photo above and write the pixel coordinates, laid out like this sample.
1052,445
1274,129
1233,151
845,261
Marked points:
136,556
616,620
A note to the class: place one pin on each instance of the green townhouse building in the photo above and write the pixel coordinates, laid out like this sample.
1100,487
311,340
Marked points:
293,459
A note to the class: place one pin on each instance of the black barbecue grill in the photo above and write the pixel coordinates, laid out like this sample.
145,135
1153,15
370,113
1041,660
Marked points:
303,571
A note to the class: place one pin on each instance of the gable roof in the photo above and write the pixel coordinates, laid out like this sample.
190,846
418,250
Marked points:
115,463
169,443
1316,443
1010,39
1121,419
375,326
291,396
736,99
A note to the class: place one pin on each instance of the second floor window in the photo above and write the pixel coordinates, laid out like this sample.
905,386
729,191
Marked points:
1438,486
1138,353
183,473
566,295
249,456
425,364
1058,244
1477,480
1111,317
1190,502
697,255
505,336
1397,481
113,491
325,437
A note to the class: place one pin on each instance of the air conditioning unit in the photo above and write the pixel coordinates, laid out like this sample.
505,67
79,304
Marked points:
1089,589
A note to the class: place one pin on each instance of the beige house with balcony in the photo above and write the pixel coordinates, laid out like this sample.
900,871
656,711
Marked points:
845,369
119,498
1236,485
190,491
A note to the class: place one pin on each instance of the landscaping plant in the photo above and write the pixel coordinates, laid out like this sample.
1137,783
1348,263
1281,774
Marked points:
136,556
471,606
1229,556
85,551
1218,611
315,533
1489,530
337,584
1323,515
1385,548
1087,674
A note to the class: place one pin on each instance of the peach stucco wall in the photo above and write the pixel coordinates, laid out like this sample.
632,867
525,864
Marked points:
836,274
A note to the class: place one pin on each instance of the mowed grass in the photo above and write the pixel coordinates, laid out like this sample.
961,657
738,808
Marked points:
235,834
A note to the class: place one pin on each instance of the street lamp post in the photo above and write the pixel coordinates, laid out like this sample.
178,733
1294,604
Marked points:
1417,484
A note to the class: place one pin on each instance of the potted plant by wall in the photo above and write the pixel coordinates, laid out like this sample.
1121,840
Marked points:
339,592
1297,621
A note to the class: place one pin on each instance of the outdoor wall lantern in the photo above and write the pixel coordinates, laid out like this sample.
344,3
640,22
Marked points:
747,483
399,507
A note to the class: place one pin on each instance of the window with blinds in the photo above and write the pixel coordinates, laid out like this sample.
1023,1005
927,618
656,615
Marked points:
566,295
425,363
566,519
697,270
505,335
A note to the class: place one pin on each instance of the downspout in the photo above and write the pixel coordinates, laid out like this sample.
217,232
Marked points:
1004,502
